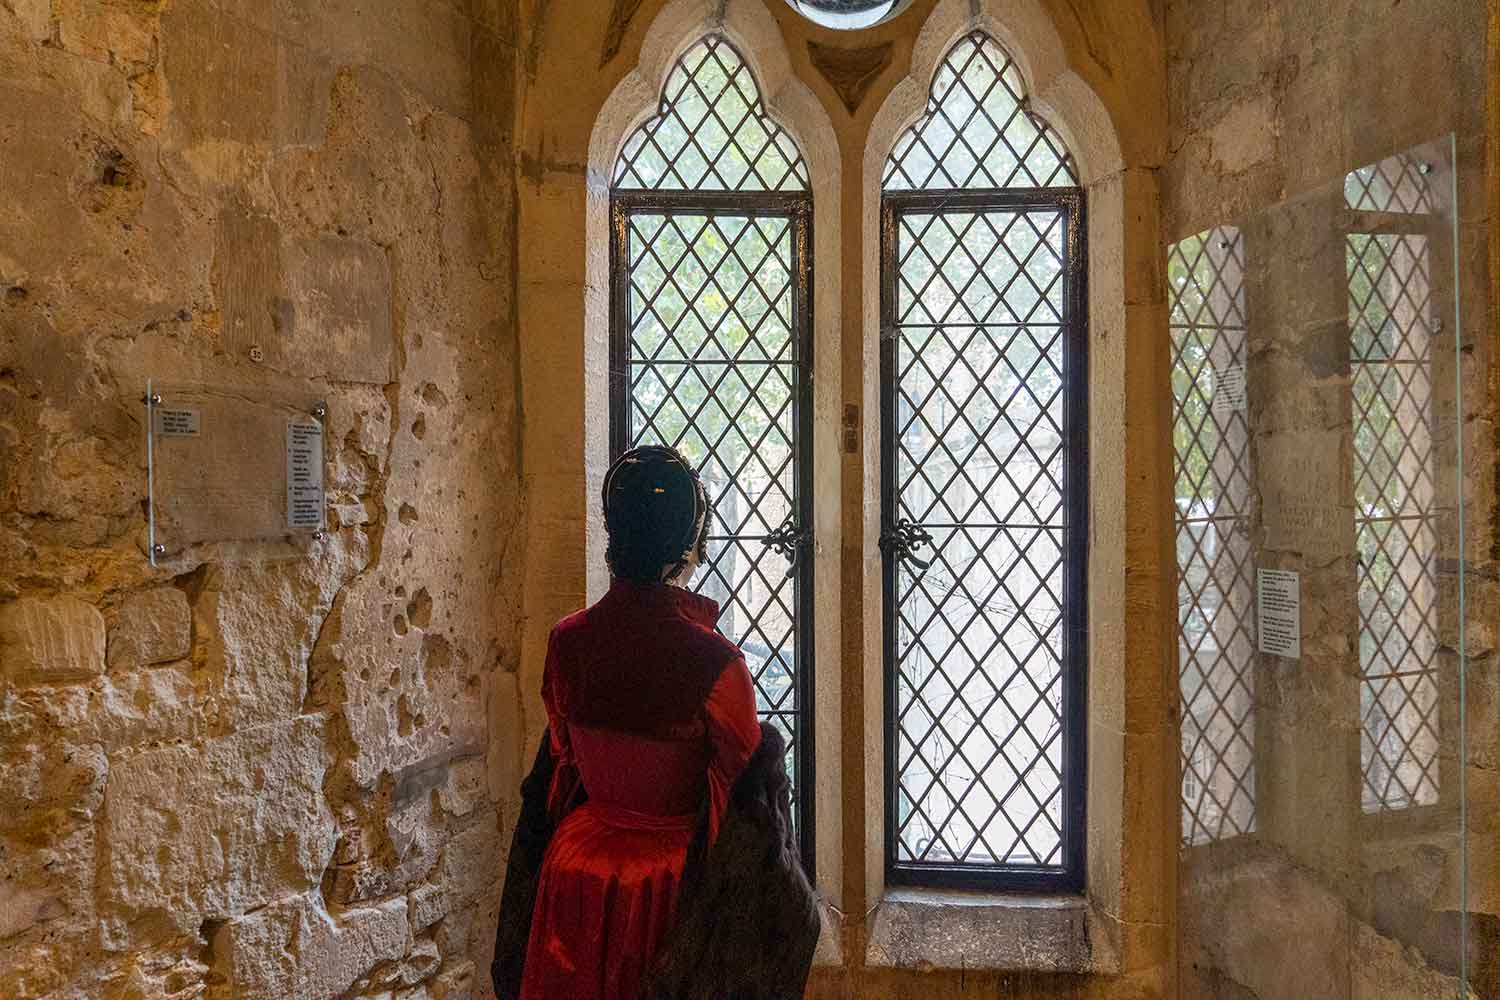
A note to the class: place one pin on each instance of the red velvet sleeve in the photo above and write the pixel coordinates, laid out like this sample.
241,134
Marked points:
733,734
565,778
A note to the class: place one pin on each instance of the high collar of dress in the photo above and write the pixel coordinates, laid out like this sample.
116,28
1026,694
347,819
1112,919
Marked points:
695,607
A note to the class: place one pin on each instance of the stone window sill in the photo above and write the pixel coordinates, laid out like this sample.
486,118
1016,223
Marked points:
930,929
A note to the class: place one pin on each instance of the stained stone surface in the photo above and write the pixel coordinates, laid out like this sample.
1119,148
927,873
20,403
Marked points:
52,639
236,775
153,626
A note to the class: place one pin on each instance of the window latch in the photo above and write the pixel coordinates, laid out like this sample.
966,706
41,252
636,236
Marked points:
789,540
901,541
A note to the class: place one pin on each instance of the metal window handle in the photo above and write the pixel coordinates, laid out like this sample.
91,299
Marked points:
902,539
789,540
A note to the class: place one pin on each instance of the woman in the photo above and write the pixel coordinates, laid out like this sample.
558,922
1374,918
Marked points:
652,720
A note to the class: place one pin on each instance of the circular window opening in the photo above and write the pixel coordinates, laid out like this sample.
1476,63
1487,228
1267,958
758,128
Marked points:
847,15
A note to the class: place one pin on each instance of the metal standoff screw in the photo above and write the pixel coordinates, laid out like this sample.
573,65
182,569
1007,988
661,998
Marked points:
1425,168
320,411
152,400
318,535
1223,244
256,354
159,549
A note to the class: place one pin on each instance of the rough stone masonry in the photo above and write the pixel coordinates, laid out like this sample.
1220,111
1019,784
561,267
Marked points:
253,772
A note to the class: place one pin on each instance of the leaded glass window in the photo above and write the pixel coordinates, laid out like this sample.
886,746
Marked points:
1214,495
984,507
1391,325
710,353
979,131
711,132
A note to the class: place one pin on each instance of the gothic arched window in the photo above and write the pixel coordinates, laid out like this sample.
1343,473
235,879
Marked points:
985,509
710,353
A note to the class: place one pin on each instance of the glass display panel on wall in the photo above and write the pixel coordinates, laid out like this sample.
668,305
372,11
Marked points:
1318,365
233,464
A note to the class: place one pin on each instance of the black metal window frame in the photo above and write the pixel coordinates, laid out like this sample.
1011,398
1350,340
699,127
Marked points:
796,207
1069,203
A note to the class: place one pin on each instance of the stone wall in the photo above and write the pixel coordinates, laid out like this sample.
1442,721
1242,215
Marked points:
257,771
1271,104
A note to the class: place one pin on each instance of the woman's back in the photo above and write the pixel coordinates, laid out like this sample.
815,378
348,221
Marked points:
652,717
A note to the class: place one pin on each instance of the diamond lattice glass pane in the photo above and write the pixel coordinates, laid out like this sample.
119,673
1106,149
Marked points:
709,288
979,729
978,130
713,371
1211,441
1390,330
1390,305
980,458
1395,184
711,132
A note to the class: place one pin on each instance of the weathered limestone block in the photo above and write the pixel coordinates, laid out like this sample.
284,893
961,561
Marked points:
121,709
454,983
471,872
261,622
36,16
213,62
311,306
1385,970
44,639
465,787
122,34
48,788
22,908
409,973
47,854
214,829
426,905
421,963
340,309
296,948
154,626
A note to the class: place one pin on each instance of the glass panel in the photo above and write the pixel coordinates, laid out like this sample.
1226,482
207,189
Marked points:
978,131
1211,440
979,464
233,464
711,132
1318,376
1390,325
714,371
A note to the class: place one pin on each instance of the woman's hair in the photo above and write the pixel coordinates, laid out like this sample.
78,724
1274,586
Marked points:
656,512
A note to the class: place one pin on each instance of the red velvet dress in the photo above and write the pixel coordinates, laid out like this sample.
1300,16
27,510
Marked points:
650,711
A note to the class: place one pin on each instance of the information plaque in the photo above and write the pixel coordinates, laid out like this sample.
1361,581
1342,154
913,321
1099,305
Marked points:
1229,389
226,464
1278,600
